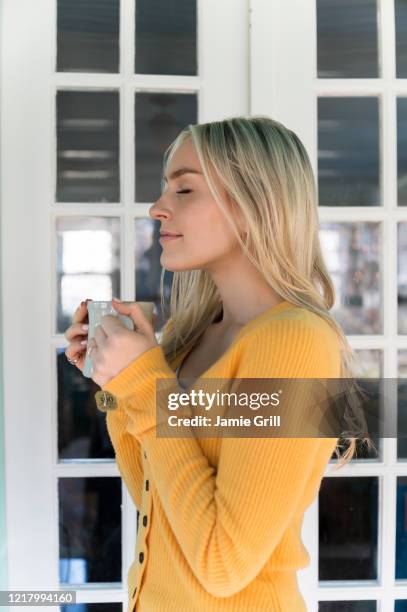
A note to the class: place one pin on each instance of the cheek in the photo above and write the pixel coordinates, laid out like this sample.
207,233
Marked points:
208,226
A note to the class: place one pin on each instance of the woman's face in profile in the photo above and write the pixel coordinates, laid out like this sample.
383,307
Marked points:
187,207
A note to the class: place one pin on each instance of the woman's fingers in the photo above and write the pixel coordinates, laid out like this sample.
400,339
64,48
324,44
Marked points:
80,313
76,334
79,318
75,330
77,351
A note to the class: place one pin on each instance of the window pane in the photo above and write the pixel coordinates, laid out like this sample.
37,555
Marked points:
402,278
402,151
90,530
159,119
148,268
347,39
88,263
370,366
402,403
351,252
82,432
400,14
87,146
348,151
166,37
348,532
347,606
88,35
401,528
371,363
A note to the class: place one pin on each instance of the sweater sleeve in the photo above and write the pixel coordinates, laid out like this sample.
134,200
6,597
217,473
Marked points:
127,450
229,520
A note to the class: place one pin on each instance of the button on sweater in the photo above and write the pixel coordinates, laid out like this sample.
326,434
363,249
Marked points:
222,516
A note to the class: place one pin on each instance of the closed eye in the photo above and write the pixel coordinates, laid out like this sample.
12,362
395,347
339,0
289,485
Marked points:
184,191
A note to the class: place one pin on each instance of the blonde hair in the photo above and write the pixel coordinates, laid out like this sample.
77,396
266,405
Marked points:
268,178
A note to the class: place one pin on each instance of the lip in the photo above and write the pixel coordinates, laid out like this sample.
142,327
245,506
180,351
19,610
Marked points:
164,232
165,238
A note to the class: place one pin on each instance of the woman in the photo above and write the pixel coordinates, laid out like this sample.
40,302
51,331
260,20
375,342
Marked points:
221,517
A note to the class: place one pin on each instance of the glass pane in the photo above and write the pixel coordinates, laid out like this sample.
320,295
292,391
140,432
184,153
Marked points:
370,363
402,278
402,151
90,546
401,528
370,366
402,403
166,37
148,268
348,151
159,119
400,14
88,35
88,263
347,606
82,432
87,146
347,39
95,607
348,532
400,605
351,252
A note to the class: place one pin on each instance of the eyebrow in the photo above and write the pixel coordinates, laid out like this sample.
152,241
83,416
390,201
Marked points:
180,172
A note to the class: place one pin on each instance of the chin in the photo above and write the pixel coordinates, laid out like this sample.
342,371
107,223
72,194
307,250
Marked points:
173,266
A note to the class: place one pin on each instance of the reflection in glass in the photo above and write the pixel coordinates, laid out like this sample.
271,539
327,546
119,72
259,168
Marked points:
93,607
351,253
166,37
401,528
402,403
88,35
90,529
159,119
347,606
148,268
347,34
402,278
88,263
82,432
400,20
348,151
87,146
402,151
348,528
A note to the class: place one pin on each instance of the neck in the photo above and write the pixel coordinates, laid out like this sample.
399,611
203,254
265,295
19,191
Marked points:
244,293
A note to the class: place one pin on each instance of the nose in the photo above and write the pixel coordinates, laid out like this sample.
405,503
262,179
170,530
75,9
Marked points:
158,211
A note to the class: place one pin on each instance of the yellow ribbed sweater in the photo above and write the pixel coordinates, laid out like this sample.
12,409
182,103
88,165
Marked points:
220,519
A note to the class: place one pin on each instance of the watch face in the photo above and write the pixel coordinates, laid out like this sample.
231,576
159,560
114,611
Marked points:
105,401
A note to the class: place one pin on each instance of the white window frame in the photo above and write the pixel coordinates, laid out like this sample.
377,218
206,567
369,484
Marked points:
284,85
28,169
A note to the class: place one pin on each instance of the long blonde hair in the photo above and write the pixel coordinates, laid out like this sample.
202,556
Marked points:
267,175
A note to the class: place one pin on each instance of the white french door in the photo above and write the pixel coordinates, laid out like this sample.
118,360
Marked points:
336,73
92,92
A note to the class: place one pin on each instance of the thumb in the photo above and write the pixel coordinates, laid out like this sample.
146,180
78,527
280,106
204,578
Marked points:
136,313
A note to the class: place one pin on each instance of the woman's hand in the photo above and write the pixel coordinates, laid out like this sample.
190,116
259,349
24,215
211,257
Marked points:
114,346
77,336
